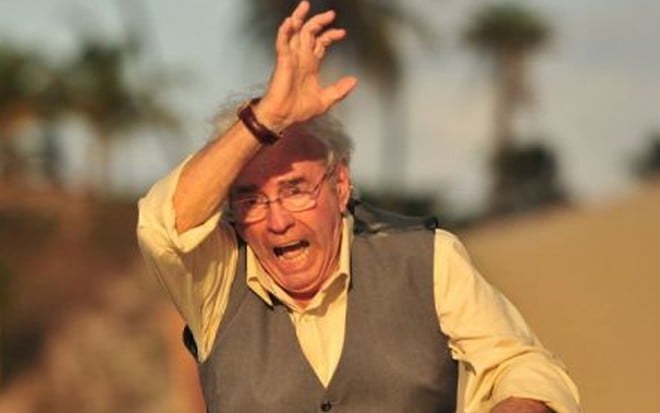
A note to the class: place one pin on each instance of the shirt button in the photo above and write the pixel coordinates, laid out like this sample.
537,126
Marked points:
326,406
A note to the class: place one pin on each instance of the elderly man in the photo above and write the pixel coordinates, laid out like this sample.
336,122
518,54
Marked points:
298,298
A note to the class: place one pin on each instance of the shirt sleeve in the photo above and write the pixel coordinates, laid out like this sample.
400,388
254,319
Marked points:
196,267
502,356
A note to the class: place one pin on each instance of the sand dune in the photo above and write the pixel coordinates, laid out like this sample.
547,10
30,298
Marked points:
588,281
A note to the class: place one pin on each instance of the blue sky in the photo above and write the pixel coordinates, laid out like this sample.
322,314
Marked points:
597,87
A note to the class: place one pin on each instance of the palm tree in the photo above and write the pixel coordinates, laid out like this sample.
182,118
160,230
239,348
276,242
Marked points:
28,92
371,46
99,89
507,34
94,85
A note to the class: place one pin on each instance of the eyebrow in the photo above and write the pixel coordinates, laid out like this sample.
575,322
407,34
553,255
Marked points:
293,181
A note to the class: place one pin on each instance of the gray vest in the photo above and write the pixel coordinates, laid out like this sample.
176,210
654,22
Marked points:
394,359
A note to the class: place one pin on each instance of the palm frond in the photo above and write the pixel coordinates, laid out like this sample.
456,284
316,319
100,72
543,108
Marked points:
506,26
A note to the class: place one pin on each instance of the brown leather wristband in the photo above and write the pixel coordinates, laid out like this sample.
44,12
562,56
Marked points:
263,134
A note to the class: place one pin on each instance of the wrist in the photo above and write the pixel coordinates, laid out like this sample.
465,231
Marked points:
265,128
270,115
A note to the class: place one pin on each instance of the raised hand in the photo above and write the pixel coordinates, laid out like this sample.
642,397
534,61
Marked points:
294,93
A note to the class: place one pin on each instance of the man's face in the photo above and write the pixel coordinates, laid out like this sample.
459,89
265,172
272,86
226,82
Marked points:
299,250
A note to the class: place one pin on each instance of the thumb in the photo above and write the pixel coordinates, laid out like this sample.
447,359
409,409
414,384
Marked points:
339,90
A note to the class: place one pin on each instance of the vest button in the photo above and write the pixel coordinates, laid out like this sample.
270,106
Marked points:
326,406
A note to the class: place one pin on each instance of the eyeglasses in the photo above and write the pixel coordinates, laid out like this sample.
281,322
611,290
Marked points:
294,198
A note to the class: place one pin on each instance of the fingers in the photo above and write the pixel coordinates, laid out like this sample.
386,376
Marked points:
298,19
295,31
284,33
291,26
326,39
300,11
315,24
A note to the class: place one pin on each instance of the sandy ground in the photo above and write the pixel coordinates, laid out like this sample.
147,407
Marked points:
588,281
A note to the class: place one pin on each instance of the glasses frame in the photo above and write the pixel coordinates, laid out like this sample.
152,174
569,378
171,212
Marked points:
264,202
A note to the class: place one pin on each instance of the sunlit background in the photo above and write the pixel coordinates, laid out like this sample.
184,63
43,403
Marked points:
531,128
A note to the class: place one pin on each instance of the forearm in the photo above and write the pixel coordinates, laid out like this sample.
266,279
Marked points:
205,180
518,405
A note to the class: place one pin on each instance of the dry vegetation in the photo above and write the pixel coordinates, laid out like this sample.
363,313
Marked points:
84,327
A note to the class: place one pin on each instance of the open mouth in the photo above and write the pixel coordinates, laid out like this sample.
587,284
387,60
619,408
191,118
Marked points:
291,250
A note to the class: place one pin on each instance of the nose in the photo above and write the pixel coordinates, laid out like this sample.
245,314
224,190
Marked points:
279,218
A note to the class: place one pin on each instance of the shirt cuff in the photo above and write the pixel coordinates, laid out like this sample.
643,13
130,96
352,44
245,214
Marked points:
538,381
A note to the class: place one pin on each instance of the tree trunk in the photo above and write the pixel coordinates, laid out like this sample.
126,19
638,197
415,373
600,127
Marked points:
98,179
394,146
511,92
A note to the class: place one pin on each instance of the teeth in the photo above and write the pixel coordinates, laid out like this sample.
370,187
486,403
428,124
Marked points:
295,256
292,250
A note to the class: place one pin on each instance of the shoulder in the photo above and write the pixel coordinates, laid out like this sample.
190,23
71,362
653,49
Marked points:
448,242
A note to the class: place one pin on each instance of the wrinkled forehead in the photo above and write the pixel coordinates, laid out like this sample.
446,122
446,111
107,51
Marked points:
293,152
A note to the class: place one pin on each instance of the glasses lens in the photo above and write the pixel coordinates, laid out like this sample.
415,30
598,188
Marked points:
298,202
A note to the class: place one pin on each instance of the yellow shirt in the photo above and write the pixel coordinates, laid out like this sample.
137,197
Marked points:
486,333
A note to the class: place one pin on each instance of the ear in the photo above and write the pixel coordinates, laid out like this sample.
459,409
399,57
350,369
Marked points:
342,185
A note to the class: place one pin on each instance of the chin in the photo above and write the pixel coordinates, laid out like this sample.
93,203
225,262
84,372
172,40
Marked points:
301,288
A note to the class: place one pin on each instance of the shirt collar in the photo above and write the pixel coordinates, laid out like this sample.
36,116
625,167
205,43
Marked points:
263,286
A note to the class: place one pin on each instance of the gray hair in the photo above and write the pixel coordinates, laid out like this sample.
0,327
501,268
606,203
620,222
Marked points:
325,128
